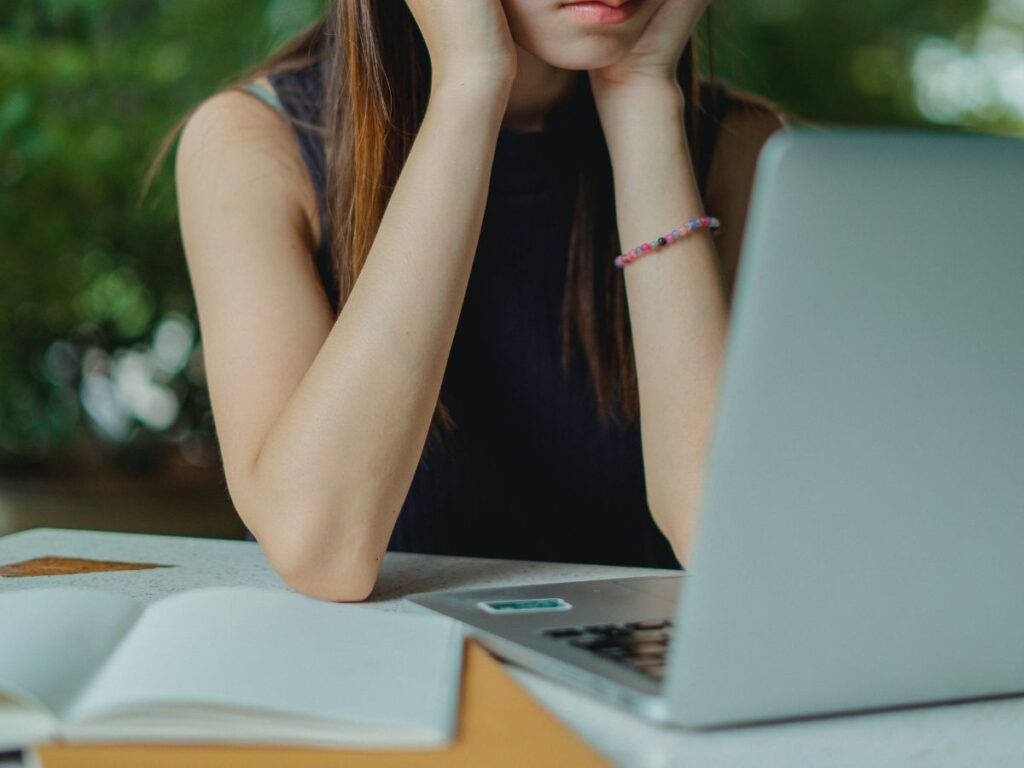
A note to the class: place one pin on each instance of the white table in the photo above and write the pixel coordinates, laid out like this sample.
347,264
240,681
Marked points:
976,735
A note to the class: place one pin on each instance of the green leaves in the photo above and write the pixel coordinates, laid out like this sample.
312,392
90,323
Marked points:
839,61
88,89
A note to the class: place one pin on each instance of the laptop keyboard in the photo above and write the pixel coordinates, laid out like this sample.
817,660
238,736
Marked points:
641,645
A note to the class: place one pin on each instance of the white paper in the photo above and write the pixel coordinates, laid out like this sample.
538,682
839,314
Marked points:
220,649
52,640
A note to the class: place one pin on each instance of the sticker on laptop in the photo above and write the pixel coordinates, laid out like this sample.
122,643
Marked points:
525,606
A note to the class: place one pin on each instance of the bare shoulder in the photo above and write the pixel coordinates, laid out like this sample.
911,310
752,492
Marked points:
244,209
749,107
235,147
748,124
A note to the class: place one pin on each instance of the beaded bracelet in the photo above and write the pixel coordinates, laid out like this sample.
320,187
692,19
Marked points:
704,222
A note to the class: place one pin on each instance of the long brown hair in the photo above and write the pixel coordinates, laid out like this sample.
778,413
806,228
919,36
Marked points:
375,99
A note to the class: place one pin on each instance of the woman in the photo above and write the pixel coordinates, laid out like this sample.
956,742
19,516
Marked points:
483,386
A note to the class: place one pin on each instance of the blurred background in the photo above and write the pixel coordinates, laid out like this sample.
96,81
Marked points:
104,417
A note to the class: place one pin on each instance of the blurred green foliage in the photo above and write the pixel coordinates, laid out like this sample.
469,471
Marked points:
835,61
88,88
97,325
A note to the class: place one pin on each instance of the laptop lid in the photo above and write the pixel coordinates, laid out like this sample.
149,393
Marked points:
861,540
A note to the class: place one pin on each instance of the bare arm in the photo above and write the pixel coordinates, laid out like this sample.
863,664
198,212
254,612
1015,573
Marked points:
322,422
678,296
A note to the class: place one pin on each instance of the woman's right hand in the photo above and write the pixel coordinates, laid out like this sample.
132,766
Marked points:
466,39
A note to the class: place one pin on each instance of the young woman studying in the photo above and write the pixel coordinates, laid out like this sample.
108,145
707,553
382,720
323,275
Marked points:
463,275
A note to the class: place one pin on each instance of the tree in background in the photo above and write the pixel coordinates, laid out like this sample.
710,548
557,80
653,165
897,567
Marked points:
99,359
100,362
848,62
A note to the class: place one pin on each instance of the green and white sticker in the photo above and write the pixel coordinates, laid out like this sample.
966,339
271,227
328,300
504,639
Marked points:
525,606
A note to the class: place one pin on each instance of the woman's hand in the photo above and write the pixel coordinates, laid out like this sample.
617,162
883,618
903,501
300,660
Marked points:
656,53
466,40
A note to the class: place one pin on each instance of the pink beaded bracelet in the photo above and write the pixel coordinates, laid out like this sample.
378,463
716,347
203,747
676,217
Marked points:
704,222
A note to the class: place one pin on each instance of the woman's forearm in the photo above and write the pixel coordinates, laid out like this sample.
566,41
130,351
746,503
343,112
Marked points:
677,305
333,471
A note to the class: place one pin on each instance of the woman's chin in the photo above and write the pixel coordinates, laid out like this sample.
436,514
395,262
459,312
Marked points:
583,54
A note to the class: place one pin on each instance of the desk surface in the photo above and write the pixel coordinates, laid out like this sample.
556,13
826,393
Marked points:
977,734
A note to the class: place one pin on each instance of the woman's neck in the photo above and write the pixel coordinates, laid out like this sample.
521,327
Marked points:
537,88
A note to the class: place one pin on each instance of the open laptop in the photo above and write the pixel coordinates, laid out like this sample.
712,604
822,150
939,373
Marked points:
861,537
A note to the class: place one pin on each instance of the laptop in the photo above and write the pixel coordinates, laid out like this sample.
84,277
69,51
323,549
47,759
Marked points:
861,532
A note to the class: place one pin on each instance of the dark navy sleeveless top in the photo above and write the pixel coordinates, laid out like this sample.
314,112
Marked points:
528,472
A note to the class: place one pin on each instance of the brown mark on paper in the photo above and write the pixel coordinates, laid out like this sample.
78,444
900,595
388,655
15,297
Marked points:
55,565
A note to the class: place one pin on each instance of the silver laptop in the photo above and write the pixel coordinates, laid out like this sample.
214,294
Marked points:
861,538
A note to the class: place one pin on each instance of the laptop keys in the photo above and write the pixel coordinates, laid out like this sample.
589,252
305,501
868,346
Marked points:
567,632
649,624
607,630
641,645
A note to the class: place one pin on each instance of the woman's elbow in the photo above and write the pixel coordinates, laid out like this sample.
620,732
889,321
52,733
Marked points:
339,586
316,549
320,565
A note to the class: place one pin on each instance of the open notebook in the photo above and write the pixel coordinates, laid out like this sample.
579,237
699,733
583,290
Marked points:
501,725
223,665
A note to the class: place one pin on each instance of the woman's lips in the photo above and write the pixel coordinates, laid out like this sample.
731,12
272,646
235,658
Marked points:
610,12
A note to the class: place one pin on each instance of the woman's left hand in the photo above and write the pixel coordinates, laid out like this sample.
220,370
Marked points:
657,51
